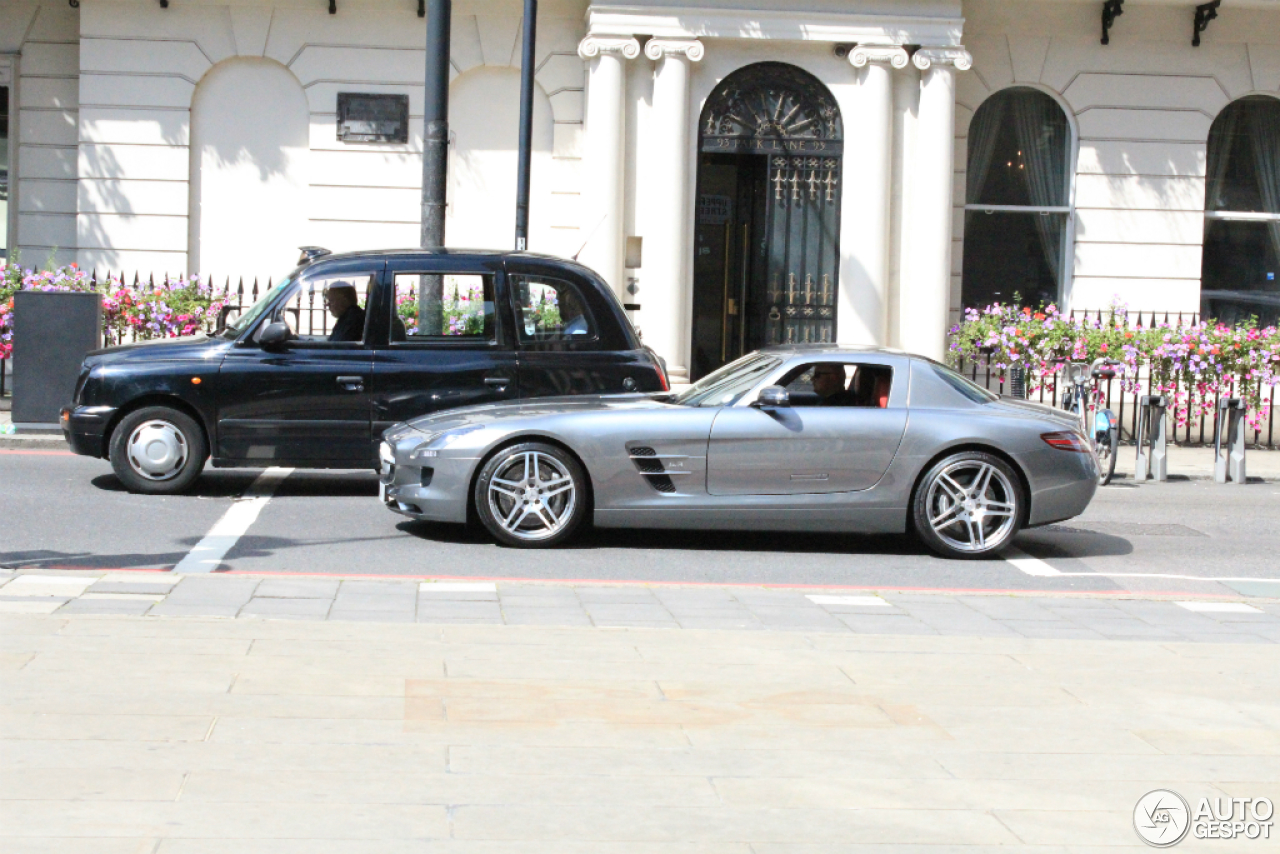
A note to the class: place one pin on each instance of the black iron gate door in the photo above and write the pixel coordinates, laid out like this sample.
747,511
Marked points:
766,266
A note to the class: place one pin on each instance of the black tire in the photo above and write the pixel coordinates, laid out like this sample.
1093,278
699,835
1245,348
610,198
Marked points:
158,451
942,510
532,495
1107,456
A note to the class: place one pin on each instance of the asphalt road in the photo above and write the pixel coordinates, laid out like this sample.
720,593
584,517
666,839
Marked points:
1189,536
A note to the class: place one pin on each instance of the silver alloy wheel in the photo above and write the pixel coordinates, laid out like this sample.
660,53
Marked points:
972,506
532,496
157,450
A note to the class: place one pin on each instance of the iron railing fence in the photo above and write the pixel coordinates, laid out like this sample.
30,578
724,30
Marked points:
1199,429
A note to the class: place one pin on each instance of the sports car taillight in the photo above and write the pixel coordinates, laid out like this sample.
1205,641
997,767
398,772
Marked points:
1067,440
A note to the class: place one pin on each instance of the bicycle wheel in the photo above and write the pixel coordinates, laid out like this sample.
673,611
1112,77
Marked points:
1106,449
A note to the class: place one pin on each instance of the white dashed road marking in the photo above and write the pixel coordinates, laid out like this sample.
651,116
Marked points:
210,551
1220,607
1028,564
868,601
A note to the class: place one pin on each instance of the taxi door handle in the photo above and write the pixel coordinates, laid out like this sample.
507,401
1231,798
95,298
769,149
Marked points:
497,381
351,383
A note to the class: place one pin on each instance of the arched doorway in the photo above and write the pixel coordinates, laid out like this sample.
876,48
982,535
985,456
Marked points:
767,252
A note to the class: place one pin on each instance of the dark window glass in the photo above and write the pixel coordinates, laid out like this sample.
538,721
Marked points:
328,309
4,171
973,391
1244,157
373,118
1019,156
550,311
1012,253
1018,151
1241,257
1238,278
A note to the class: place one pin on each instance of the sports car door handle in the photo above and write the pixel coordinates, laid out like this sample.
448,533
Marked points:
351,383
497,381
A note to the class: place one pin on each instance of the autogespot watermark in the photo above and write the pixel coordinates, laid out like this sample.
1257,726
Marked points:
1163,818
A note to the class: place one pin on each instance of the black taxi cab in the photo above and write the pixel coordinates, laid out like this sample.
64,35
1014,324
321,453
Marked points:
403,333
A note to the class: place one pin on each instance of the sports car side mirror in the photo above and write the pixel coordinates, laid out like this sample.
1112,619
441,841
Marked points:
772,396
274,334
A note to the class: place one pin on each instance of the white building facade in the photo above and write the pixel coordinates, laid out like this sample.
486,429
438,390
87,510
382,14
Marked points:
810,171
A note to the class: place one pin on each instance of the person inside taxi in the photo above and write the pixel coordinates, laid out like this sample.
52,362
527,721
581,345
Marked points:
343,303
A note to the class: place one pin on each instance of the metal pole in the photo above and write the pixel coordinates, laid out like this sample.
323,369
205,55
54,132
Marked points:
525,159
435,143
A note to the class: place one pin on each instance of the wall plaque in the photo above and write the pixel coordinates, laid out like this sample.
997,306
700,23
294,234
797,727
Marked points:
373,118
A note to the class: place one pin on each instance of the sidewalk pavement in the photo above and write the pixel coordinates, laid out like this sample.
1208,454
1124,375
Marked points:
1121,616
192,735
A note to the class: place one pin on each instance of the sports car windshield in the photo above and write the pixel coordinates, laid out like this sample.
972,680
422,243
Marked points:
725,386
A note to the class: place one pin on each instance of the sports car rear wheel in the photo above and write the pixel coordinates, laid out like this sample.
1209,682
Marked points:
532,495
969,505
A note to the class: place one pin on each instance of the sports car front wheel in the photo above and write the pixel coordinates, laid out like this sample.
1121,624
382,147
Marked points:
532,495
968,505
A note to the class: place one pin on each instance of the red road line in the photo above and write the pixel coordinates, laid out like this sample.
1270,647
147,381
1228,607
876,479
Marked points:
38,453
1145,594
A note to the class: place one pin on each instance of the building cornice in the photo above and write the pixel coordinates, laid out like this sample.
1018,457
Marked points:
690,23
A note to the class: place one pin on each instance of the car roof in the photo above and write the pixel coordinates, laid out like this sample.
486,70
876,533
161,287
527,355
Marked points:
806,350
448,250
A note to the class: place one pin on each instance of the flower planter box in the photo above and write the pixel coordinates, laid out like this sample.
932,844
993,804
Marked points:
52,332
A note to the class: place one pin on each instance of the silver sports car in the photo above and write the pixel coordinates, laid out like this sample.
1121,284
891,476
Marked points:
801,438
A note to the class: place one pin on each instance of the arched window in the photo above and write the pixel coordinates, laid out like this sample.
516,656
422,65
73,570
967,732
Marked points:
1016,200
1242,214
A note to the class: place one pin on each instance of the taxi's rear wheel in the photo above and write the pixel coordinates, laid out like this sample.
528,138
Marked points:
158,451
532,495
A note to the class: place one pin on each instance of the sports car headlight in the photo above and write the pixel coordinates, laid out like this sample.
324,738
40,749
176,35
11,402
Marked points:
435,444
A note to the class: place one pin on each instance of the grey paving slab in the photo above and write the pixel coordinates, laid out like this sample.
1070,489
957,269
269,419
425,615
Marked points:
716,623
628,611
131,587
1007,608
300,588
360,602
544,617
886,624
105,606
276,607
225,590
363,616
459,609
615,595
378,588
1061,629
194,609
456,596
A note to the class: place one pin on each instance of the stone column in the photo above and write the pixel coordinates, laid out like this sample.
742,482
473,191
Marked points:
602,177
926,280
666,295
862,315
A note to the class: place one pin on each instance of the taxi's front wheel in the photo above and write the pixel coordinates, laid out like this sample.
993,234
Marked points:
158,451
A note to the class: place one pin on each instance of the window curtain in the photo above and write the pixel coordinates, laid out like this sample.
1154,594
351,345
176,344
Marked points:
1222,138
1041,130
1264,120
984,132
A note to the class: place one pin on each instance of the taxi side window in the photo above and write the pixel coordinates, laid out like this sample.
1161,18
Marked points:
443,307
551,312
328,309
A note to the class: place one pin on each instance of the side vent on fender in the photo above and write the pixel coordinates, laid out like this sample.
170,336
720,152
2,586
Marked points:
650,464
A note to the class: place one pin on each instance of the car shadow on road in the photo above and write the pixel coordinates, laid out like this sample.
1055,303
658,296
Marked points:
300,484
1067,541
689,540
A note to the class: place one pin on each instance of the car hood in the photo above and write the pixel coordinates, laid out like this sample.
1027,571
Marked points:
188,348
486,414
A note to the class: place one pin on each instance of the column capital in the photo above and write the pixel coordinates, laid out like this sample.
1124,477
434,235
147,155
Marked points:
655,49
593,46
957,56
891,54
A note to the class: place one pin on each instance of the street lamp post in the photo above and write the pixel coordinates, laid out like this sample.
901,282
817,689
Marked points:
435,157
526,123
